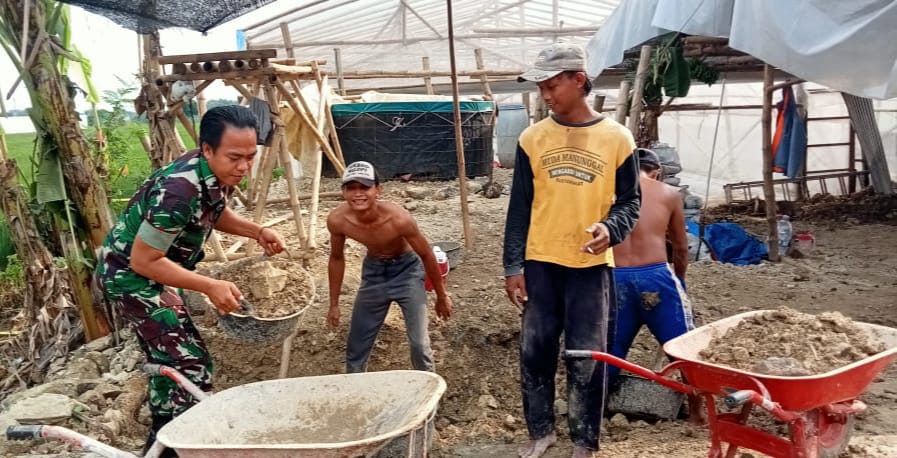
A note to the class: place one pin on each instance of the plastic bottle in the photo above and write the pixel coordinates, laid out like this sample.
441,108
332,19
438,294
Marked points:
786,233
442,262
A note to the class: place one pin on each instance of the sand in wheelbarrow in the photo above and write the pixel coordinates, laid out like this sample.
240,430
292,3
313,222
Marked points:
275,287
786,342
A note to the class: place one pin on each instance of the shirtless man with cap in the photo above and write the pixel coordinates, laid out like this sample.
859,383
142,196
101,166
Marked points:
398,256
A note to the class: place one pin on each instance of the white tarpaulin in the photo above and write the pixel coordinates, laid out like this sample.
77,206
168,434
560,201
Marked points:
845,45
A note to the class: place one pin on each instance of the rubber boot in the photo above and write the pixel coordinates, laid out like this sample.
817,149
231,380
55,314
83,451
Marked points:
158,422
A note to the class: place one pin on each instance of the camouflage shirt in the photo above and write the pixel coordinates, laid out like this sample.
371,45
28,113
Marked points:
173,211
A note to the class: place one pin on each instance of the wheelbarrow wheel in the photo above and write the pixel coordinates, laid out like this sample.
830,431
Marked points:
832,433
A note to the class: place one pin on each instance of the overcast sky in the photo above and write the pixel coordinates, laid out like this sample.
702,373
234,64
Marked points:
113,51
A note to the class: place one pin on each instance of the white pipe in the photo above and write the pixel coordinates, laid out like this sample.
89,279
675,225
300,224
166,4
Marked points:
84,442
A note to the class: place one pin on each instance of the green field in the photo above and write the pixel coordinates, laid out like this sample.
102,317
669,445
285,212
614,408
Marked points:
129,165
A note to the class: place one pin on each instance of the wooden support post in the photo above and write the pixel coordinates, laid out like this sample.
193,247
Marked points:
769,191
428,82
287,39
321,118
527,102
487,91
293,192
598,104
459,136
338,62
279,147
641,75
622,102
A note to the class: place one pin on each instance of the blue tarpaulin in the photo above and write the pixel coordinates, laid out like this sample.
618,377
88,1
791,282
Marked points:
732,244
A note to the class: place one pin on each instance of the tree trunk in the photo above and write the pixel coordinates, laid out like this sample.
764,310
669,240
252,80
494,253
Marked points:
648,131
53,111
49,327
165,140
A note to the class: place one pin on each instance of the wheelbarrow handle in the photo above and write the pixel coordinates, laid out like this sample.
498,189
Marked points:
156,370
657,377
26,432
737,398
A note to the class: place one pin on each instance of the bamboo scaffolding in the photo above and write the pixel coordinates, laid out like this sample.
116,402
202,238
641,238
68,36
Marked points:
303,116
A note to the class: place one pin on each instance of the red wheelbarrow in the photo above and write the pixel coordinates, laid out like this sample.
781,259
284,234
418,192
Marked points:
819,409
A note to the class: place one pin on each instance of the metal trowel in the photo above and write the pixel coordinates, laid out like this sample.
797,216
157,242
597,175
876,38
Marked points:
246,307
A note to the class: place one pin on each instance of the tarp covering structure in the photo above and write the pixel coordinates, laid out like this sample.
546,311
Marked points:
145,16
847,46
395,35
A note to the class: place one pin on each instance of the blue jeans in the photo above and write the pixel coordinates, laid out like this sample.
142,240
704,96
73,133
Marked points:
577,303
399,279
649,295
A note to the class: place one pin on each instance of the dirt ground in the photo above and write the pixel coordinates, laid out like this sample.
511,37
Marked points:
851,271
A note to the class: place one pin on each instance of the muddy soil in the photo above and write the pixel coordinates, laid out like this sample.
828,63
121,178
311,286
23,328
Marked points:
790,343
850,271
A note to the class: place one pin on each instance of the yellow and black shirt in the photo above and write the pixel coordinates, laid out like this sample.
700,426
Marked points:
567,177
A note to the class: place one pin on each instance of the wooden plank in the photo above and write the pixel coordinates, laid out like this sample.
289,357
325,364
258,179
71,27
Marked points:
227,55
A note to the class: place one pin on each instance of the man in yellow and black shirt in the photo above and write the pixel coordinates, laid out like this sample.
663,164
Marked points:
575,194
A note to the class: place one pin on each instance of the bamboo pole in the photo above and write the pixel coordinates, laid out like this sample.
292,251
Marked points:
188,126
459,136
769,191
338,62
318,163
622,100
287,39
428,81
641,74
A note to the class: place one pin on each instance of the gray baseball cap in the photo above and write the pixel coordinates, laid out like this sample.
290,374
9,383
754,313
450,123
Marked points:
557,58
646,156
362,172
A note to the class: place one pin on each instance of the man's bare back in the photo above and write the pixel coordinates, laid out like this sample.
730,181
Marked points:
661,213
384,236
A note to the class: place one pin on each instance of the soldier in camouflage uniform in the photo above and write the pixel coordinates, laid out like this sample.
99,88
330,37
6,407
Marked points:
155,245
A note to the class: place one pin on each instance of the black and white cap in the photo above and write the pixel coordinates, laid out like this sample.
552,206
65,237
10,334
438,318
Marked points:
362,172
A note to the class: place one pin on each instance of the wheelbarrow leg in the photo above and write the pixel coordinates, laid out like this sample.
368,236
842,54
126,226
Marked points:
716,450
742,419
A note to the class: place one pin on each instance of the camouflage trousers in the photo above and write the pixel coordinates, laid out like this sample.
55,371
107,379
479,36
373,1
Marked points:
167,336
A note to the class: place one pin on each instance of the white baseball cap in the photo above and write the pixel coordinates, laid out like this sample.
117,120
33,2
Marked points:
362,172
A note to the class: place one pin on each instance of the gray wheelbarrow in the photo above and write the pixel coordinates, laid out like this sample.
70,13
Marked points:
375,414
